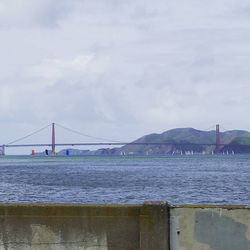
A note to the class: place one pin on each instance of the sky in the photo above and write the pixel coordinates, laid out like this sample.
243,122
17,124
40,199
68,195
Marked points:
121,69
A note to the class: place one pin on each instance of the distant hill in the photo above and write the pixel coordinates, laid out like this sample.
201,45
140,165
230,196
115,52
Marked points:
180,141
188,138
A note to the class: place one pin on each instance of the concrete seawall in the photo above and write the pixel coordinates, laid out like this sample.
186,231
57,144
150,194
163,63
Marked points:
89,227
150,226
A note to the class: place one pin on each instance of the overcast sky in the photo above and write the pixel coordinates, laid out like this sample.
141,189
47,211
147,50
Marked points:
121,69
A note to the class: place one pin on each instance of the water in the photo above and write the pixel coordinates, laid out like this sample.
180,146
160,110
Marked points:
176,179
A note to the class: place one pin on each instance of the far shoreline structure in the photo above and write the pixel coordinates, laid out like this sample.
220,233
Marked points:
178,141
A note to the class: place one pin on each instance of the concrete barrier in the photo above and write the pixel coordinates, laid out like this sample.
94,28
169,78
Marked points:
150,226
209,228
92,227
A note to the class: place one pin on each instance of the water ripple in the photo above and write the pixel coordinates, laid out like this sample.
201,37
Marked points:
186,179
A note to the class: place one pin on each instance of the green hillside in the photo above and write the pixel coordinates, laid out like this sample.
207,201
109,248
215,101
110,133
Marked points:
188,138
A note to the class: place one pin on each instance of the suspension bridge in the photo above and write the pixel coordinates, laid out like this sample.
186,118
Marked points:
104,141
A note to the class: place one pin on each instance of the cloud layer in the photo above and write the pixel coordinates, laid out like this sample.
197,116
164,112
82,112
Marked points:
121,69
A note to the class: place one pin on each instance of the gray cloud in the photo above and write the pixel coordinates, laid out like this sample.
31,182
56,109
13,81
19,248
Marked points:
29,14
123,68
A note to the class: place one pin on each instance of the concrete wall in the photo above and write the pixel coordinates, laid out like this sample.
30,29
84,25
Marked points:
209,228
89,227
151,226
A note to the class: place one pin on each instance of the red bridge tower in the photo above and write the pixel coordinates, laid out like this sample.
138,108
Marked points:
53,144
217,139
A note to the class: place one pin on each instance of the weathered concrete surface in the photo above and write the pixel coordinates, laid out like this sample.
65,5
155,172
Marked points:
154,230
209,228
151,226
90,227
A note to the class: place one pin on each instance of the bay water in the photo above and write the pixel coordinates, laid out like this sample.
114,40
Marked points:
193,179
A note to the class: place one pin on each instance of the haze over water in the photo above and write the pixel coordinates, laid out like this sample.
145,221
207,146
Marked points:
176,179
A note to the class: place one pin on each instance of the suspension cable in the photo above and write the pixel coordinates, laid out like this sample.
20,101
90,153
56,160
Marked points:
223,128
29,135
85,135
211,128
